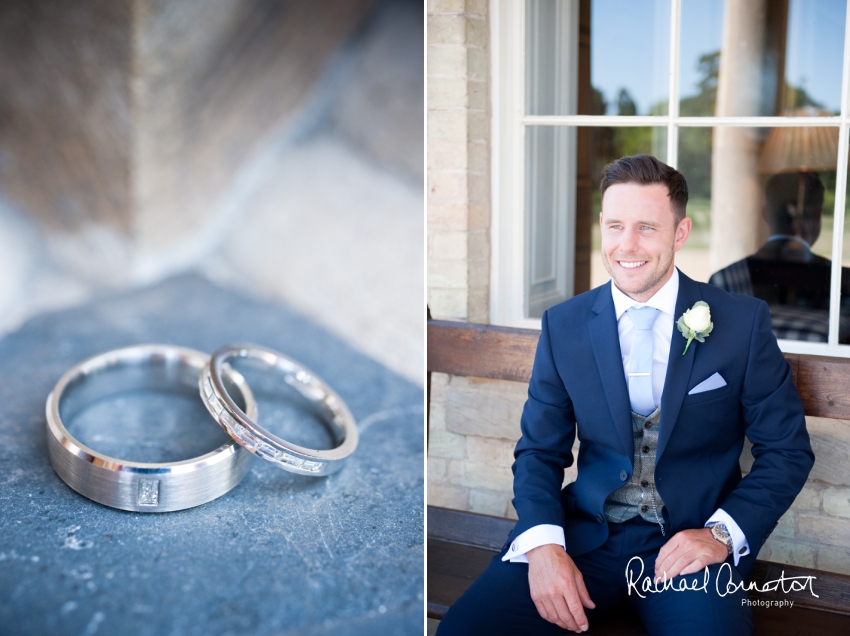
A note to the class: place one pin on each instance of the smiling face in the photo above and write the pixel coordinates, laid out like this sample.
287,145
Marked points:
639,237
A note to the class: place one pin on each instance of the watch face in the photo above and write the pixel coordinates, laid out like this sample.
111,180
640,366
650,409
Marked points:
719,532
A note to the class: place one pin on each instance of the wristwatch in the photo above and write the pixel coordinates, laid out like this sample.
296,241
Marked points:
720,532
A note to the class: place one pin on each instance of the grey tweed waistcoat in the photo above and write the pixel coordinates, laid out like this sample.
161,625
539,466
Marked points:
639,496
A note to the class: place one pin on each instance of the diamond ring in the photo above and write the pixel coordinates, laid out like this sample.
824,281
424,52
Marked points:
243,427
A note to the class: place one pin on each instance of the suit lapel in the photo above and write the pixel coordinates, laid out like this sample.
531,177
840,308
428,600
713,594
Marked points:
678,366
605,340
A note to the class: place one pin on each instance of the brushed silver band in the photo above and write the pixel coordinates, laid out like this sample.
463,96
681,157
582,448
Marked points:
244,429
140,486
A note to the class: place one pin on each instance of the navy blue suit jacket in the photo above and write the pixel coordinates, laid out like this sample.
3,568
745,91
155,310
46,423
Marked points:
578,384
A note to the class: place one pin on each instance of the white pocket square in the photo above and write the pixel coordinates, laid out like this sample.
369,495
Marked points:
714,382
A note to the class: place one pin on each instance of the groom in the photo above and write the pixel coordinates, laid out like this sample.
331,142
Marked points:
662,378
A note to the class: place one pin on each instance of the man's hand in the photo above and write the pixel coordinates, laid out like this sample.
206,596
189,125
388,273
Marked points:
557,587
687,552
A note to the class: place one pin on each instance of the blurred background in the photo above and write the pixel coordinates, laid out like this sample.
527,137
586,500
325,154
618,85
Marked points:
275,147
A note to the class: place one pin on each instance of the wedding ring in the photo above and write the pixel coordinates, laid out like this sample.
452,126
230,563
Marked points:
131,485
244,429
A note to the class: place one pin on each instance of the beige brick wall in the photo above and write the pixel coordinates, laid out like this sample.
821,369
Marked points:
815,532
474,423
458,160
473,430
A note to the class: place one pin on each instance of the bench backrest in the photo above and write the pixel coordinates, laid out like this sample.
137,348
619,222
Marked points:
505,353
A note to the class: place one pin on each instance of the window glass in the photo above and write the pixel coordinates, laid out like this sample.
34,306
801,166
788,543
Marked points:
702,29
761,199
747,58
630,56
844,321
549,217
597,57
814,57
762,209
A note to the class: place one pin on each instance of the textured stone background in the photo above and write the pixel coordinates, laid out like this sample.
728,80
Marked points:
278,554
138,112
325,214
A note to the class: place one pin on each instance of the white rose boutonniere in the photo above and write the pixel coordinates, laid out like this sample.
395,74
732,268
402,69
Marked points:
695,323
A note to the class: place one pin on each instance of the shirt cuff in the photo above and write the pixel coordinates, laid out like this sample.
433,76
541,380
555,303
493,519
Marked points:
544,534
740,546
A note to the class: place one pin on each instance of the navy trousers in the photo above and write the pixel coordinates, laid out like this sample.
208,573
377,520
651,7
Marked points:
499,602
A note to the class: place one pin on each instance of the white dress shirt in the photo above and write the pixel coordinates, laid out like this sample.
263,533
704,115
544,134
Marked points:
665,301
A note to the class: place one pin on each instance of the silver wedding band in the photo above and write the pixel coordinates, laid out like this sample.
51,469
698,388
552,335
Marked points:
140,486
243,427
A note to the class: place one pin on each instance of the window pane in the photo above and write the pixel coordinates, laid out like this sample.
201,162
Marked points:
844,322
551,61
761,57
549,217
762,213
597,57
563,166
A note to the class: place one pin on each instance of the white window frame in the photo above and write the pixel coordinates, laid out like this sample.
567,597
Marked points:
509,121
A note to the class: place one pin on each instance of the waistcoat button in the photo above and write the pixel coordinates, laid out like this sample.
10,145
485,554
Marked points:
623,475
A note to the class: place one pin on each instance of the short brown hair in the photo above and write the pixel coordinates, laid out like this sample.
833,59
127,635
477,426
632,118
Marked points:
647,170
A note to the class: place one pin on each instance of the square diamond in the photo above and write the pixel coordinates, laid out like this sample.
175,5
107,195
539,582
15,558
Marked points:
228,421
290,460
266,451
148,492
215,404
249,441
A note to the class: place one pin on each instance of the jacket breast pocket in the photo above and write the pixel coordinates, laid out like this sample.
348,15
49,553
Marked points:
707,396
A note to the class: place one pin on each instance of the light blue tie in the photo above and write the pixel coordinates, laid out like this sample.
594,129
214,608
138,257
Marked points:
640,360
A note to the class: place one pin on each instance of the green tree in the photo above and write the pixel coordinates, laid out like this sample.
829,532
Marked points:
797,97
600,106
702,103
695,143
625,104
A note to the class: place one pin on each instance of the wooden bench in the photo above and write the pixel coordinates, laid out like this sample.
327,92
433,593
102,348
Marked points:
460,544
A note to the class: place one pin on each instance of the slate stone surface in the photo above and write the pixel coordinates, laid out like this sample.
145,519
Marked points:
279,554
